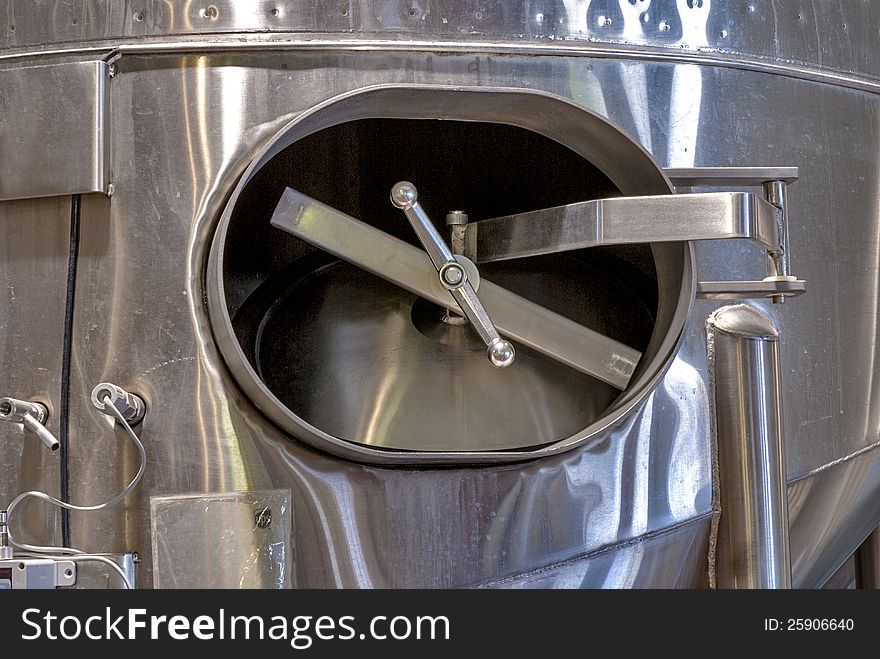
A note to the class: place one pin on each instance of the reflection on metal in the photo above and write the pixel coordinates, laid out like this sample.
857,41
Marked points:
753,537
410,268
625,220
634,220
867,562
673,559
54,114
791,39
831,512
845,578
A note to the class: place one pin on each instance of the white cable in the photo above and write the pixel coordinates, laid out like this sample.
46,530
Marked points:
66,552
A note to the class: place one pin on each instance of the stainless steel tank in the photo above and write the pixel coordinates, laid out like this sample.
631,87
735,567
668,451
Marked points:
313,422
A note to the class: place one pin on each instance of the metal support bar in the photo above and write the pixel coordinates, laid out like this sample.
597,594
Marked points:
724,177
773,288
625,220
753,535
774,182
410,268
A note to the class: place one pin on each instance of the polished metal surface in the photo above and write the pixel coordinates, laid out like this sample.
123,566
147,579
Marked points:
753,549
867,562
831,42
625,220
672,559
219,421
374,365
776,192
453,275
770,288
14,410
844,578
693,177
831,512
33,266
394,260
53,114
209,439
188,124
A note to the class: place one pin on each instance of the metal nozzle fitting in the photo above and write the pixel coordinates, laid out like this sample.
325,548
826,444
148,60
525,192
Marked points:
130,406
14,410
32,416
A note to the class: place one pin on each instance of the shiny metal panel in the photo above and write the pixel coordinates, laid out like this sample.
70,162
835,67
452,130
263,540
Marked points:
33,268
53,114
626,220
867,562
750,290
844,578
753,548
831,512
774,34
671,559
691,177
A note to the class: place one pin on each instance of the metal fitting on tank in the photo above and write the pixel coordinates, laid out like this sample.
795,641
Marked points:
5,549
32,416
130,406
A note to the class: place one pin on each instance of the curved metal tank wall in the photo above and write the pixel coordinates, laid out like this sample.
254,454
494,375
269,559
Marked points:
200,87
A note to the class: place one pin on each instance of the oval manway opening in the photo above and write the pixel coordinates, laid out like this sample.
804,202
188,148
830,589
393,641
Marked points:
365,361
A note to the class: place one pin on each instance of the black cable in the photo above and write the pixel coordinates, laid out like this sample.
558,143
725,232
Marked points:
66,355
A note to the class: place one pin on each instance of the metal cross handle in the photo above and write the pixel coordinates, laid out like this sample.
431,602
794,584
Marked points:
452,274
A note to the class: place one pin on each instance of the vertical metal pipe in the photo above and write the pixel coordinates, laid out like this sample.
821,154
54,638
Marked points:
868,562
776,192
753,533
5,549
